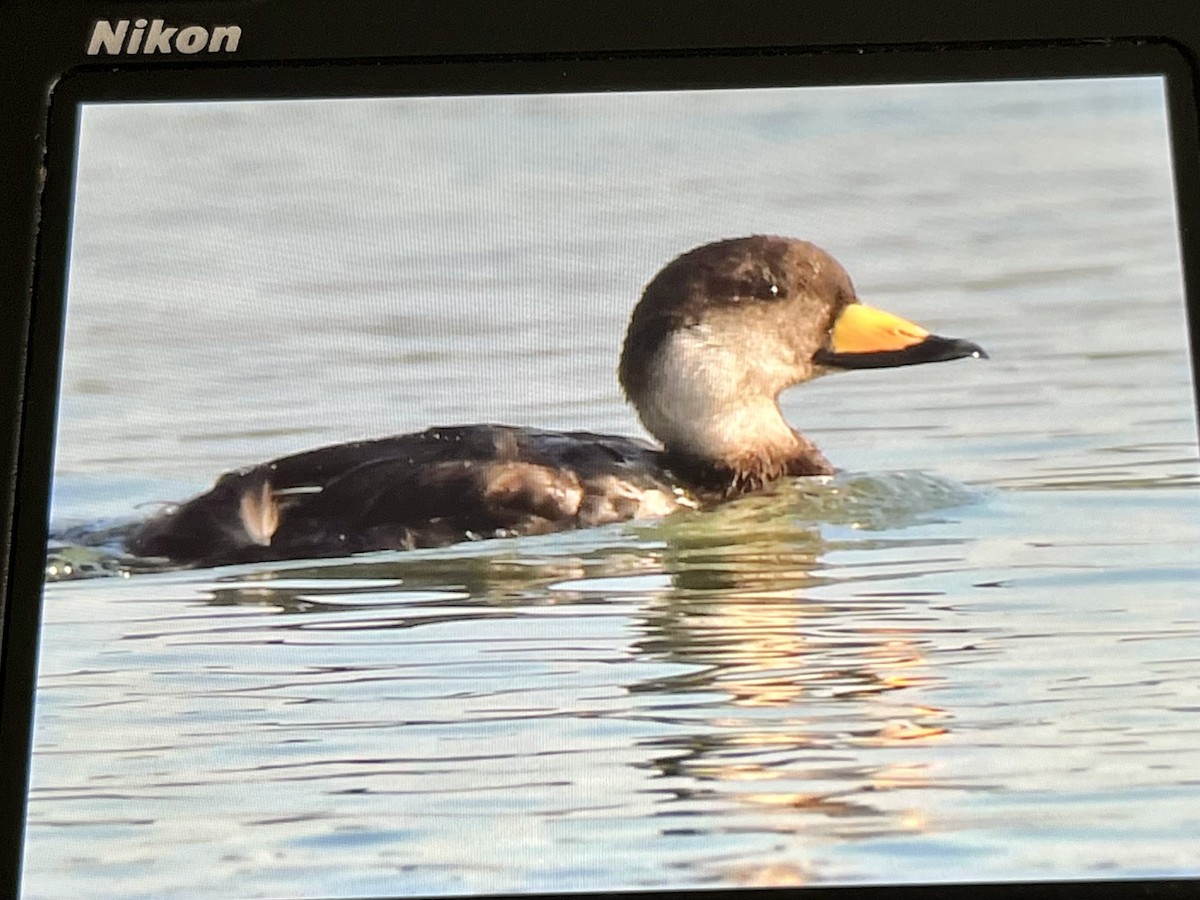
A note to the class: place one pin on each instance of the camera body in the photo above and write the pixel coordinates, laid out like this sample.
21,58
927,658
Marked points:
227,93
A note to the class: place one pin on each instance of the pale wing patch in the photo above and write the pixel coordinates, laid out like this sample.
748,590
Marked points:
541,490
612,499
684,499
655,504
259,512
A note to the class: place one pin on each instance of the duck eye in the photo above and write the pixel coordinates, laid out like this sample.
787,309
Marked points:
754,288
767,290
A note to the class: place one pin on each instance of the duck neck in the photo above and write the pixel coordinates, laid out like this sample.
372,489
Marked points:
734,449
710,395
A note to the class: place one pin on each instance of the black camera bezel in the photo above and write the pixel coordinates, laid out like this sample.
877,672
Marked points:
715,50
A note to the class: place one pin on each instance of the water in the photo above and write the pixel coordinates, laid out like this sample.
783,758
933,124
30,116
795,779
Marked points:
971,655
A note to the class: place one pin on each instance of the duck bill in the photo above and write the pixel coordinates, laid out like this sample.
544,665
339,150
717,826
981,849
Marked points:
867,338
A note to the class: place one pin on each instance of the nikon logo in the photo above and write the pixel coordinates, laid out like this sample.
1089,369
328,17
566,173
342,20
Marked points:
155,36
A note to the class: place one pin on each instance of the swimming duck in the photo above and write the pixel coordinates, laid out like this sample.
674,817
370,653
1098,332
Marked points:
718,334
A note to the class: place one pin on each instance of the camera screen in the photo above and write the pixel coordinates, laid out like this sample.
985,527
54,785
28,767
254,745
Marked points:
624,490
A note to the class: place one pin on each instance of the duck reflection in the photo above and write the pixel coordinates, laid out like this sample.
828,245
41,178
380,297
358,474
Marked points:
784,687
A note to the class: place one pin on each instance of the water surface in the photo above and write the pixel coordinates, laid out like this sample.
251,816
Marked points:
970,655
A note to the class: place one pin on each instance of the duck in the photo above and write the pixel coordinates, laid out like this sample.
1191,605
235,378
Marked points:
717,335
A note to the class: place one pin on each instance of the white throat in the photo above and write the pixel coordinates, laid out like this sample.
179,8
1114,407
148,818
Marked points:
703,398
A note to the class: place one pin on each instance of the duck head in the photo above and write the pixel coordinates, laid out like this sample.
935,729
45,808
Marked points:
723,329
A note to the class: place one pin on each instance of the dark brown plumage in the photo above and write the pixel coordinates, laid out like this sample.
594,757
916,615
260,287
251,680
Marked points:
762,277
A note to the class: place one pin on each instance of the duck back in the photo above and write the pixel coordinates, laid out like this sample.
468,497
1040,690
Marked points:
426,489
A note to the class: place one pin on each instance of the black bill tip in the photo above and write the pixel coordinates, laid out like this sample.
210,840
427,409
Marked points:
931,349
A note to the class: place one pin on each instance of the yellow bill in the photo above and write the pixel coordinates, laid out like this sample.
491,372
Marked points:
863,337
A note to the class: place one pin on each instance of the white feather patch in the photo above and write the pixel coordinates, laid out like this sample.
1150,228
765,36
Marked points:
714,399
259,512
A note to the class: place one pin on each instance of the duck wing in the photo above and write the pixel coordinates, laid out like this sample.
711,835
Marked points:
430,488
